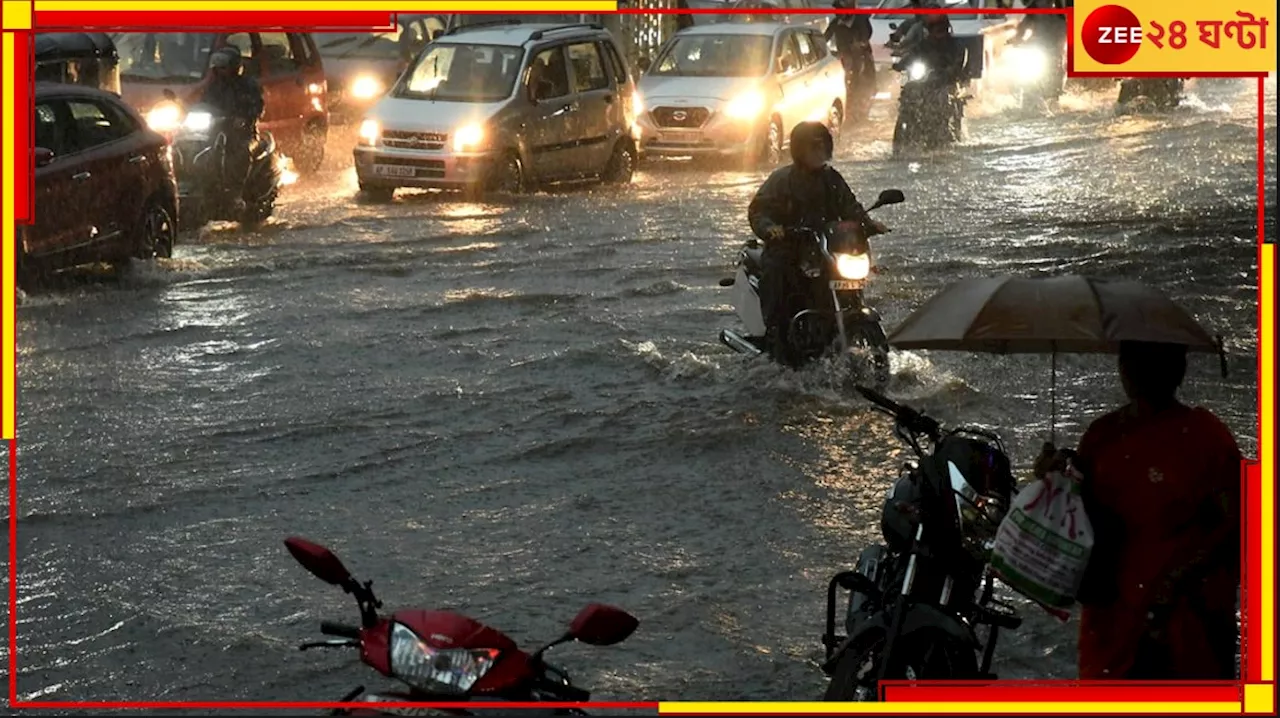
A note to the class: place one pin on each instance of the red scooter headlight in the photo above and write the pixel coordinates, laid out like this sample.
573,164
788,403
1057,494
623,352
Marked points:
436,670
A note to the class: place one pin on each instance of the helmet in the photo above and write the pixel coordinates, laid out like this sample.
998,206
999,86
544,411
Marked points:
935,23
227,58
807,134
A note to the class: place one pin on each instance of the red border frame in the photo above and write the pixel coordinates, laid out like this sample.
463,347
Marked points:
936,692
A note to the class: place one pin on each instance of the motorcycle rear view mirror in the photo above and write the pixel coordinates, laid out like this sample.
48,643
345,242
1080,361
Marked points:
319,560
601,625
889,196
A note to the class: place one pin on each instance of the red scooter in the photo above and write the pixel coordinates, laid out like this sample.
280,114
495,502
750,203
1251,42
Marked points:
447,657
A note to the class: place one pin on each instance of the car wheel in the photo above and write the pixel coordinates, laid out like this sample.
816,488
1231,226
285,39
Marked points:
156,232
622,164
376,194
835,120
508,175
311,154
769,153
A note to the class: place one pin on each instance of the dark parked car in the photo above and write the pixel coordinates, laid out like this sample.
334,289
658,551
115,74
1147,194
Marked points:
104,184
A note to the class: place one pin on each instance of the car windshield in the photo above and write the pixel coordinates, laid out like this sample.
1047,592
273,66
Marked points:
163,56
715,56
373,45
463,73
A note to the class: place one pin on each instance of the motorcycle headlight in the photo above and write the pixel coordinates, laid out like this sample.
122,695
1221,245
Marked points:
434,670
917,70
198,122
366,87
1029,64
165,117
747,106
853,266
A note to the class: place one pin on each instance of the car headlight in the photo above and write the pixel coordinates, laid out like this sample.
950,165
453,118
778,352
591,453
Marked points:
165,117
468,139
917,70
853,266
366,87
1028,64
435,670
369,132
747,106
198,122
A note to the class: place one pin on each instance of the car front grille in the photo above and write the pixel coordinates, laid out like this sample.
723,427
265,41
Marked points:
434,141
681,116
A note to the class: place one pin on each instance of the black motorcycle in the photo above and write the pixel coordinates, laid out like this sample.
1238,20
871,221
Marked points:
930,109
859,85
1146,94
199,162
837,318
915,602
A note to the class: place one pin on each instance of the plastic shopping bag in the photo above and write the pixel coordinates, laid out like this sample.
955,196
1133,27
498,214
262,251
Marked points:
1042,547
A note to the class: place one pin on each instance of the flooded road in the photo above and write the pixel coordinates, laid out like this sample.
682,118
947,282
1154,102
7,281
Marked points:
515,408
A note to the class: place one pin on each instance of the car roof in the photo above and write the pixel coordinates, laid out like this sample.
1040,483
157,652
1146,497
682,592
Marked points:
516,35
44,89
741,28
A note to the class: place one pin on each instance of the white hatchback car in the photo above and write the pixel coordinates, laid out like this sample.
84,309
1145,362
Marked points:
738,89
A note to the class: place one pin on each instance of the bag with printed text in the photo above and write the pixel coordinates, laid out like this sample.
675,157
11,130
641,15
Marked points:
1042,547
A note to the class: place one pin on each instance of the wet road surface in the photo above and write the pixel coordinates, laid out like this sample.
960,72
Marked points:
515,408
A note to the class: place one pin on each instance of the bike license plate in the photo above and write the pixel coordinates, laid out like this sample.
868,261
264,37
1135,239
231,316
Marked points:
846,284
679,138
394,170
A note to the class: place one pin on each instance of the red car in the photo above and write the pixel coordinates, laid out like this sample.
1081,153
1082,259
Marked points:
105,189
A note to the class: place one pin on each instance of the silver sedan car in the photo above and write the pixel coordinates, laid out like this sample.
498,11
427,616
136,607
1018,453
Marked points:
738,89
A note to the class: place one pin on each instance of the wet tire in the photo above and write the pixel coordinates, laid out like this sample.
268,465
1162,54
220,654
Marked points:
311,154
509,176
769,154
622,164
923,657
376,195
835,120
157,232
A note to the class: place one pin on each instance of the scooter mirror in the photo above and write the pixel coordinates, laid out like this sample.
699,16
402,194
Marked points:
890,196
601,625
319,560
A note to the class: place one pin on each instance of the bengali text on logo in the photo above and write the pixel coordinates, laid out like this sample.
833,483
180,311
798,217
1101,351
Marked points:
1159,36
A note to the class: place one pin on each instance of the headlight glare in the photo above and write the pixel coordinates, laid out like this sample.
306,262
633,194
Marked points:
1028,64
369,132
366,87
198,121
747,106
468,138
917,71
165,117
434,670
853,266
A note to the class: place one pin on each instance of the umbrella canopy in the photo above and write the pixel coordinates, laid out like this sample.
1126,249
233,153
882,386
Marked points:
1072,314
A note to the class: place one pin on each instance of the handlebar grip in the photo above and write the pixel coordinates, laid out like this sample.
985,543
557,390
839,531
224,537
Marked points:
341,630
882,401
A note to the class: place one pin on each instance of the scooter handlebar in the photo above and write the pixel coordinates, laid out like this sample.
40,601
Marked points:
908,417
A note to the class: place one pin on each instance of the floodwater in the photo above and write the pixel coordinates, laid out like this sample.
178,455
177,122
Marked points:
515,408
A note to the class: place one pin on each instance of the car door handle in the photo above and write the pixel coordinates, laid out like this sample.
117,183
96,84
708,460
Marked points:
137,159
81,177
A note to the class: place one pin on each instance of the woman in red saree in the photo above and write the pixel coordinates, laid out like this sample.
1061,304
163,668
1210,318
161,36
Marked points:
1162,488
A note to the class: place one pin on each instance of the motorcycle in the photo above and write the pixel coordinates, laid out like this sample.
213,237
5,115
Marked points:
443,656
859,84
1039,76
838,265
199,159
915,601
930,112
1148,94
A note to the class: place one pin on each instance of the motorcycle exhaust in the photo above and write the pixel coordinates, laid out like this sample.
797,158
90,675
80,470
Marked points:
738,343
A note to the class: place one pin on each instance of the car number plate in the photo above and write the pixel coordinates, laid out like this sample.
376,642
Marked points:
846,284
683,138
394,170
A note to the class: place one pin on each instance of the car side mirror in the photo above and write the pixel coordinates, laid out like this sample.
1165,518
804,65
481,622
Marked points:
601,625
43,156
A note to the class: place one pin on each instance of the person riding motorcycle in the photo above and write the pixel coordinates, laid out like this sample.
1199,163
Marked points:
852,37
807,194
911,30
239,98
945,58
1049,31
